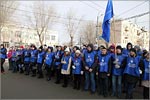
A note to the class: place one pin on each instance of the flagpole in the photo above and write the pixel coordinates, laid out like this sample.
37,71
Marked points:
114,34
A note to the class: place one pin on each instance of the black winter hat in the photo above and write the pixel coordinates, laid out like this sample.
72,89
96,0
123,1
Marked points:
41,47
90,45
119,47
133,50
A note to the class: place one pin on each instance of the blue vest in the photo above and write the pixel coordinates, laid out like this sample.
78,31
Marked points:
14,56
77,64
57,56
89,59
72,54
65,58
119,59
49,58
33,57
125,52
27,55
132,67
84,50
40,57
103,63
146,70
3,53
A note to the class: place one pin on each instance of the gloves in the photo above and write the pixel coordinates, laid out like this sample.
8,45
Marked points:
140,71
81,72
117,66
73,67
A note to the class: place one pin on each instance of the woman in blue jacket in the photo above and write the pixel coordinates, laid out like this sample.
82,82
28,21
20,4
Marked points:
40,61
77,67
27,60
49,62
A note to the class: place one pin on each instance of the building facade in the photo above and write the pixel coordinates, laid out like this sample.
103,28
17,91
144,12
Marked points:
123,32
13,35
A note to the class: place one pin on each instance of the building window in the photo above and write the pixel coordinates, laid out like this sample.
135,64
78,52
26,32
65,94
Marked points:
53,38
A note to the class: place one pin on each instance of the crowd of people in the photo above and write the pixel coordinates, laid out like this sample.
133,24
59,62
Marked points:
110,71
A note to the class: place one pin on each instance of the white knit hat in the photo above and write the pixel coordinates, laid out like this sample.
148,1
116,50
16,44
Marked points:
67,50
78,51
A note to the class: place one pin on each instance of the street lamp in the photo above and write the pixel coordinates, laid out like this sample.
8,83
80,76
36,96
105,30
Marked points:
97,26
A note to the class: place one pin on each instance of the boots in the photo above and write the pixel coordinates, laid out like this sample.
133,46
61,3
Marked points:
34,72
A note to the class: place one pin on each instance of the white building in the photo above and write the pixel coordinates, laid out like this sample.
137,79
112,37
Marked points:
123,32
13,35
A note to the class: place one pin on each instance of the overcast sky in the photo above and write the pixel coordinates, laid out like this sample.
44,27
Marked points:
90,9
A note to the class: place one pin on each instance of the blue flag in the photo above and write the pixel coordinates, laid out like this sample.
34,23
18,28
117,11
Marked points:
106,21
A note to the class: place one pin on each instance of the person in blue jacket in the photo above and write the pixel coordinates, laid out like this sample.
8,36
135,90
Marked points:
132,72
27,60
127,49
66,66
49,62
20,59
89,61
146,76
14,60
33,59
77,69
57,61
104,71
3,56
40,61
118,62
74,50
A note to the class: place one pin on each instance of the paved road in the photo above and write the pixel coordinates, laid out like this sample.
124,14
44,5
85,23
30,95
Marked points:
19,86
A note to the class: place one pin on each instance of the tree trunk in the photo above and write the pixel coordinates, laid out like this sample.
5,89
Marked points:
71,42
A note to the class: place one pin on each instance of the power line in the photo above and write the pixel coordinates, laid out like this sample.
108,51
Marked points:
140,15
97,4
131,9
44,14
89,5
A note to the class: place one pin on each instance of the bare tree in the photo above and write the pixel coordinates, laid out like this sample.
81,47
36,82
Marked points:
87,32
7,9
72,25
42,19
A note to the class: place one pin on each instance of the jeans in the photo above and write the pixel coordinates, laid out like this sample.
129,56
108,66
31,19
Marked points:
90,79
40,69
129,92
116,81
103,85
27,67
14,66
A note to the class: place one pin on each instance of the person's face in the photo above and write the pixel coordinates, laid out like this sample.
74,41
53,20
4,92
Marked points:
49,50
77,54
1,46
74,49
89,48
112,49
104,51
118,51
129,46
132,53
59,48
67,52
32,48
